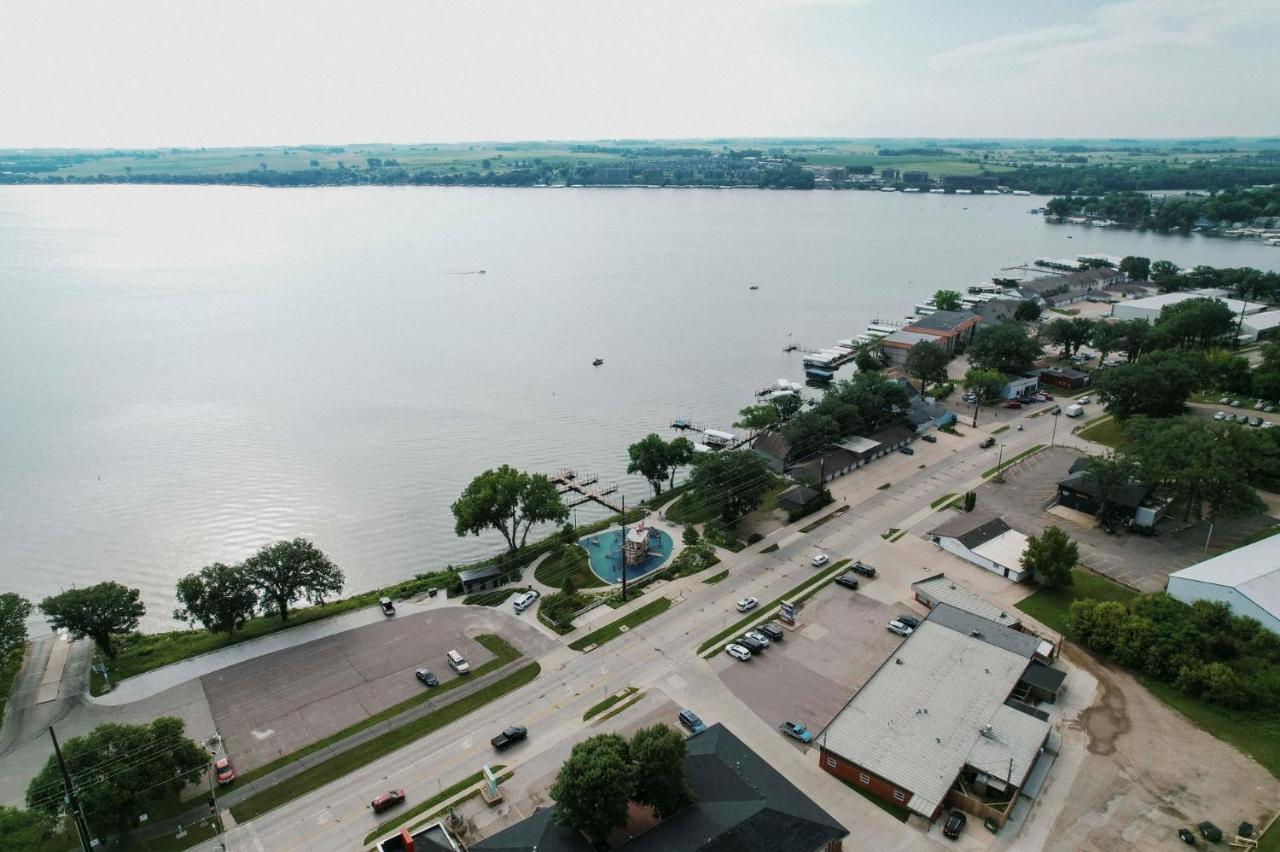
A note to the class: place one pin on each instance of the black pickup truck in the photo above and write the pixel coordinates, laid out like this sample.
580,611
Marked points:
509,737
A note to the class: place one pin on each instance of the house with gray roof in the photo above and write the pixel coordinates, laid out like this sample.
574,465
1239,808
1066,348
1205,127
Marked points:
986,541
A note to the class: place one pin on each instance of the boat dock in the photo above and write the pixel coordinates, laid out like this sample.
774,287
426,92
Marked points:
716,440
569,482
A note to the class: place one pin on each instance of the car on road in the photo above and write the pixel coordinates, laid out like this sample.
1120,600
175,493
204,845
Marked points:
1221,415
1013,403
690,721
224,771
387,800
1047,397
901,629
427,677
758,636
954,825
737,652
509,737
847,581
909,620
388,608
748,603
1226,400
969,397
1085,400
860,567
819,560
906,451
929,439
458,663
773,631
987,442
749,643
796,731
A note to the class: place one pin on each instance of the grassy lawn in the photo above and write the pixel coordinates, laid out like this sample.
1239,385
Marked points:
1000,429
598,708
813,526
568,560
890,533
757,615
689,509
943,499
503,654
1051,606
621,708
630,620
169,842
422,807
1106,432
987,474
716,578
352,759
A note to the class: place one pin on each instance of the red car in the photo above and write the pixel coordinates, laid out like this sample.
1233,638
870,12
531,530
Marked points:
387,800
1013,403
223,770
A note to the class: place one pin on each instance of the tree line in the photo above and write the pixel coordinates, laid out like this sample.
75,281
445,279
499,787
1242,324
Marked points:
1173,213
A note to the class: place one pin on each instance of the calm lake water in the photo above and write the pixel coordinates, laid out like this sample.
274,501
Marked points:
187,373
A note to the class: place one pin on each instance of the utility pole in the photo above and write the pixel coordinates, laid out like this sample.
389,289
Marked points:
622,548
73,804
999,477
213,799
1055,429
977,400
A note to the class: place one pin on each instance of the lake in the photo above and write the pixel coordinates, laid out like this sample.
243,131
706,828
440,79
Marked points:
187,373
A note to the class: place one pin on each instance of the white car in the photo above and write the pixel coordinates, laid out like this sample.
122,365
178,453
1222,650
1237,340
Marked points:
1085,400
1221,415
747,604
898,627
758,636
737,652
820,560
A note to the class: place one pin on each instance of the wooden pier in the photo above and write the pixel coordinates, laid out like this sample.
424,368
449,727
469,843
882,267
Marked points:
569,482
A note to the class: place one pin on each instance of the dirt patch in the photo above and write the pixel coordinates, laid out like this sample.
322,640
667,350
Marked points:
1108,718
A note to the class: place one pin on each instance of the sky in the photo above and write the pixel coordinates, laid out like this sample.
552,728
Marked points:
193,73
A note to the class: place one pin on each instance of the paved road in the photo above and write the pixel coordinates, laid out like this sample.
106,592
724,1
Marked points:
659,655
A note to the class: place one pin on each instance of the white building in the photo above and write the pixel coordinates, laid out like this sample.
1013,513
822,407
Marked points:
986,541
1149,308
1246,579
1259,326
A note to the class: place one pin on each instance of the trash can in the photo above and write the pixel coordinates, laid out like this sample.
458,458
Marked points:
431,593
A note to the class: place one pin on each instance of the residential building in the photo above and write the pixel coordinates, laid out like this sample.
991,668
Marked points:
774,448
1149,308
889,174
912,176
949,329
892,438
986,541
946,720
994,310
741,803
1246,579
923,414
796,498
1070,287
430,838
1134,503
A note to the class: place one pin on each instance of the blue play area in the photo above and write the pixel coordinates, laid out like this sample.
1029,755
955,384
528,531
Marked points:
604,551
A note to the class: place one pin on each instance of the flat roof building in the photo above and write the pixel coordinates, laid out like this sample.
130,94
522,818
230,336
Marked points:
1149,308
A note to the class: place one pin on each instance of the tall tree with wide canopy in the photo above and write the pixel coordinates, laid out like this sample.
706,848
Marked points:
1136,267
99,612
220,598
507,500
14,611
594,785
927,362
984,384
1050,556
947,300
1004,346
657,754
1156,386
651,458
288,571
1194,323
733,481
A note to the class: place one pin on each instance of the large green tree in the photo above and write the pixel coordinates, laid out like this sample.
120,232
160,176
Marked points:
1167,276
947,300
680,454
1194,323
927,362
99,612
1027,311
1069,333
23,830
288,571
810,432
986,385
657,753
1106,337
732,481
14,612
651,458
220,598
121,772
1137,268
593,787
506,500
1109,475
1156,386
1004,346
1051,556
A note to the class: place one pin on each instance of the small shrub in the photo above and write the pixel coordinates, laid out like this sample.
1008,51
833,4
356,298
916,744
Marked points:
754,537
690,535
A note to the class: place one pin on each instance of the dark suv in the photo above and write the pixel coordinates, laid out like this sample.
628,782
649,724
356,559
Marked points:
847,581
752,645
909,620
862,568
773,631
955,824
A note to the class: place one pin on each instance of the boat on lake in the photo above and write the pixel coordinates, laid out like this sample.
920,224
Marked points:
597,362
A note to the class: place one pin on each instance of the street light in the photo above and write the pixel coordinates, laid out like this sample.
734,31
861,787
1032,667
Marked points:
1055,428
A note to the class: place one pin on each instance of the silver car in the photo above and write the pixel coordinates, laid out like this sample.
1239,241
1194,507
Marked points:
898,627
758,636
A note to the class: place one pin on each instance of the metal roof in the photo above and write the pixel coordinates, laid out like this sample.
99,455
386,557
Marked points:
941,589
921,718
972,529
943,320
1252,570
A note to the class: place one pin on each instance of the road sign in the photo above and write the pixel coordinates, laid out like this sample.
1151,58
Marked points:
787,612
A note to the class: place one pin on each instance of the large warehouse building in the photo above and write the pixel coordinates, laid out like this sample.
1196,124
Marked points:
1150,307
947,719
1246,579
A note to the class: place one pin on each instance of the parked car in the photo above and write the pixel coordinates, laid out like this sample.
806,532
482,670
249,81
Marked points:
863,568
820,560
987,442
758,636
1186,837
750,644
737,652
524,600
969,397
898,627
388,608
1255,422
1269,408
1226,400
1013,403
1267,424
906,451
929,439
796,731
690,721
1210,832
748,603
847,581
773,631
1235,403
224,771
458,663
427,677
1230,418
387,800
1048,397
1259,406
1221,415
955,824
509,737
909,620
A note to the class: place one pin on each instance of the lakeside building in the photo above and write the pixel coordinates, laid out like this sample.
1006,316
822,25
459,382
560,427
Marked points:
948,719
949,329
1149,308
1260,326
986,541
741,803
1065,289
898,345
1246,579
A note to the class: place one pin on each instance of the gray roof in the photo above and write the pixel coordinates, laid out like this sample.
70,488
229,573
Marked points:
940,589
1065,372
860,445
742,804
943,320
973,529
920,719
1129,496
895,434
1044,677
796,496
486,572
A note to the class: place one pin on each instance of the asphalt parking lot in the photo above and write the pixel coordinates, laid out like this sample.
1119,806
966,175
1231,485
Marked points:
279,703
840,641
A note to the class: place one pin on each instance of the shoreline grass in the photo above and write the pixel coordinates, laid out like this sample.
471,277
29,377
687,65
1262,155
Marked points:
348,761
629,621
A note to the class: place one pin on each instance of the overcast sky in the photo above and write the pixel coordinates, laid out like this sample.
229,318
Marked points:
143,73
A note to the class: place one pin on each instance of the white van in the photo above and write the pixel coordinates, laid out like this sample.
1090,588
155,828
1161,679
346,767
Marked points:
458,663
1074,410
525,600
